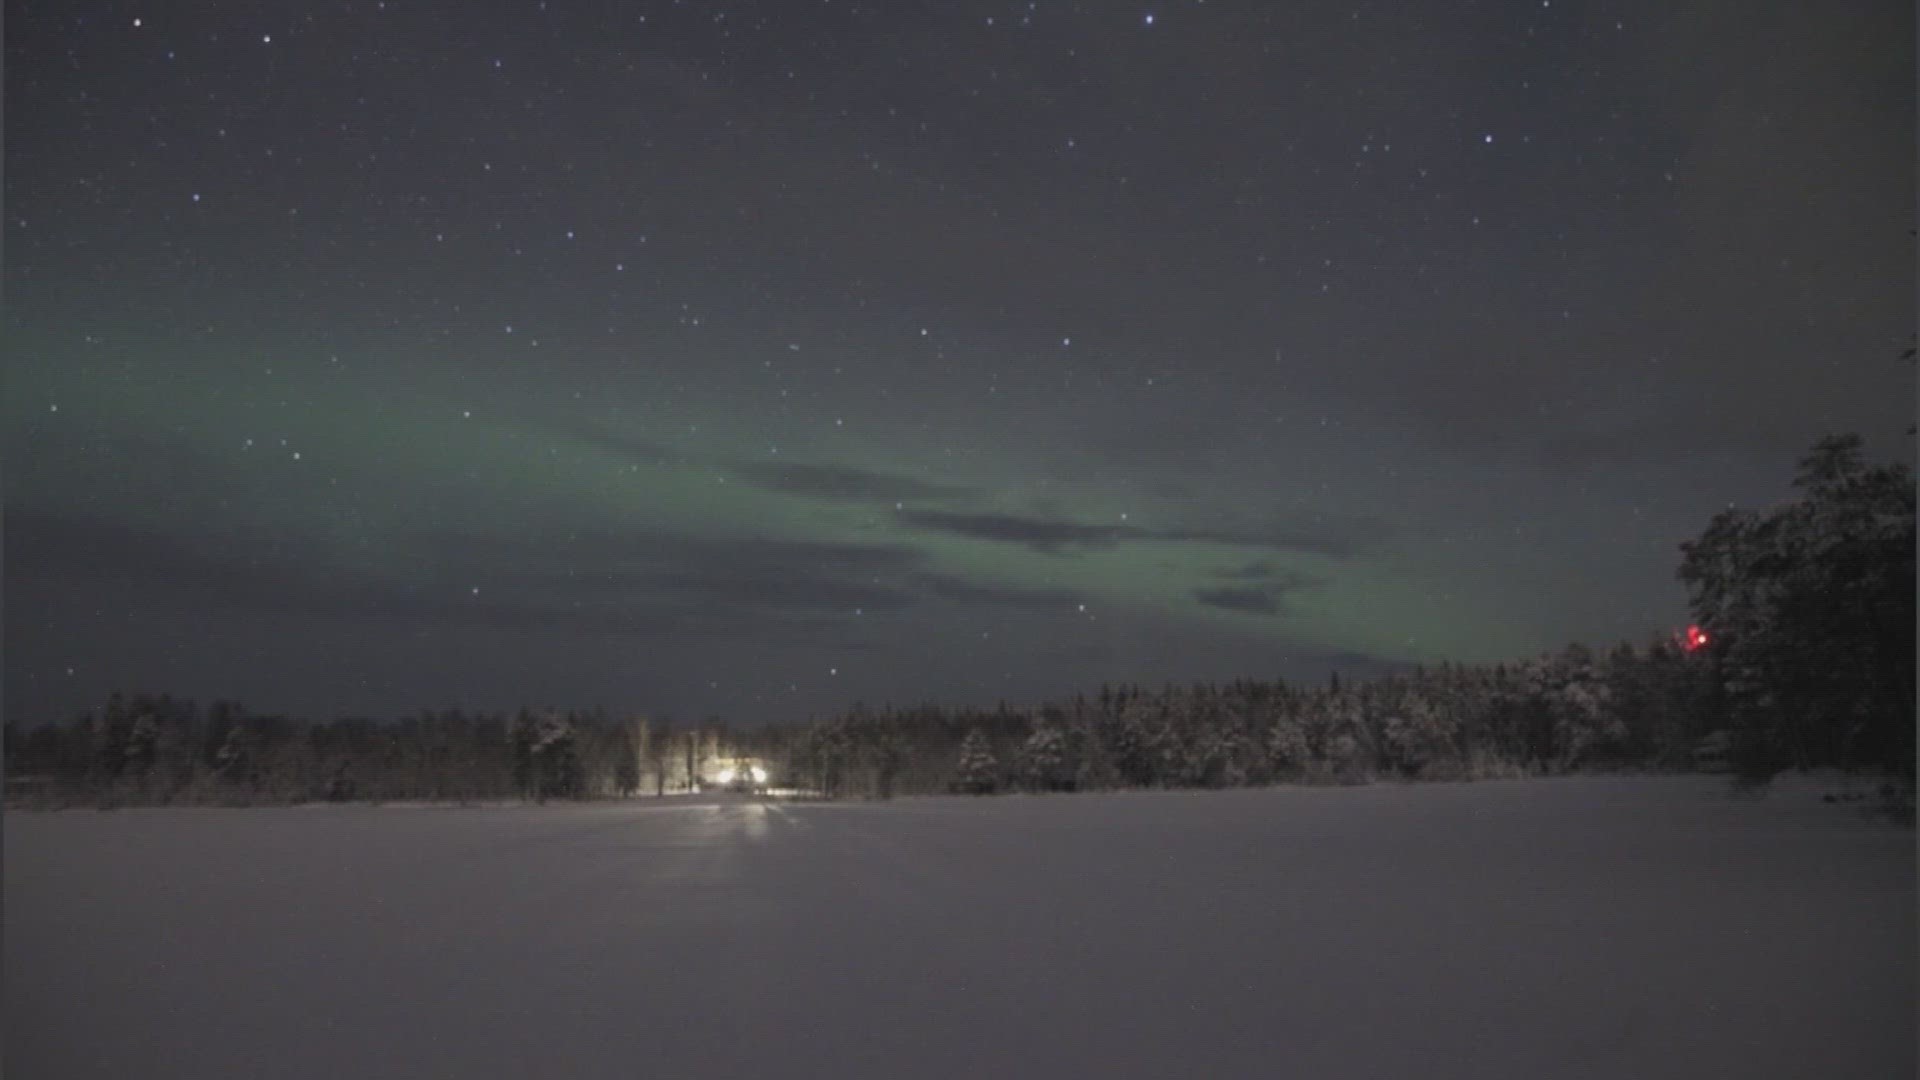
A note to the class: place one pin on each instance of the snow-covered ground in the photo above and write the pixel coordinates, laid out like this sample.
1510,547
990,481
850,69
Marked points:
1570,928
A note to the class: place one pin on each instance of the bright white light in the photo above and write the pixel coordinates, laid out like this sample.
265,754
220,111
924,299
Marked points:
726,776
759,775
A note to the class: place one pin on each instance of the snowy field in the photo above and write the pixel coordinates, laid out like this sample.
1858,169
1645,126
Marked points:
1570,928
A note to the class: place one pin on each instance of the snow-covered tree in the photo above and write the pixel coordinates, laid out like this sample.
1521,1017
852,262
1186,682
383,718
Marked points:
1569,708
1416,737
1344,737
1212,757
234,760
1288,752
825,755
1139,738
1043,759
546,756
979,769
1809,608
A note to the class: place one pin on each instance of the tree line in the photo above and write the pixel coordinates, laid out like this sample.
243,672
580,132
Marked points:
160,750
1802,657
1633,708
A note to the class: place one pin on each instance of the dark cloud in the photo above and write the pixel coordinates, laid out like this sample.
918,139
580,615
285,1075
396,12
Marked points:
1037,533
261,575
784,588
604,552
948,587
1349,663
1257,570
1338,537
1252,599
626,445
847,483
639,585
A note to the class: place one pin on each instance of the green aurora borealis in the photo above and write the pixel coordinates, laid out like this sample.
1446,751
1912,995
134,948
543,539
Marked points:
342,385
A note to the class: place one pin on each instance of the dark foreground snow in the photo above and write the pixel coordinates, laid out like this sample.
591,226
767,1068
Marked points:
1590,928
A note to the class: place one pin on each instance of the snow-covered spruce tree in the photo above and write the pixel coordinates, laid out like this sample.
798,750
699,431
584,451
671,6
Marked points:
109,731
1139,737
979,771
1211,757
546,756
879,747
1043,759
1575,709
1417,739
1668,698
825,756
1288,754
523,735
1346,756
143,747
1809,608
1206,748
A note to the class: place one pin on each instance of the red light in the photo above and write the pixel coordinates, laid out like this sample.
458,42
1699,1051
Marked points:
1696,638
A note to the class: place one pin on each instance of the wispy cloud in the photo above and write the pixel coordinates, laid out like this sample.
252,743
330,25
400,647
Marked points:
1038,533
1263,599
1337,538
949,587
847,483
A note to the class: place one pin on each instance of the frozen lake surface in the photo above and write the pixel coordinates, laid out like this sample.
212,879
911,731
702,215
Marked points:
1566,928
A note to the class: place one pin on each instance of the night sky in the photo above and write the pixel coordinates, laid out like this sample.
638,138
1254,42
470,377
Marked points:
748,359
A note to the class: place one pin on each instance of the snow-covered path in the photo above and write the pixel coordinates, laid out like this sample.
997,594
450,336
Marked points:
1590,928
